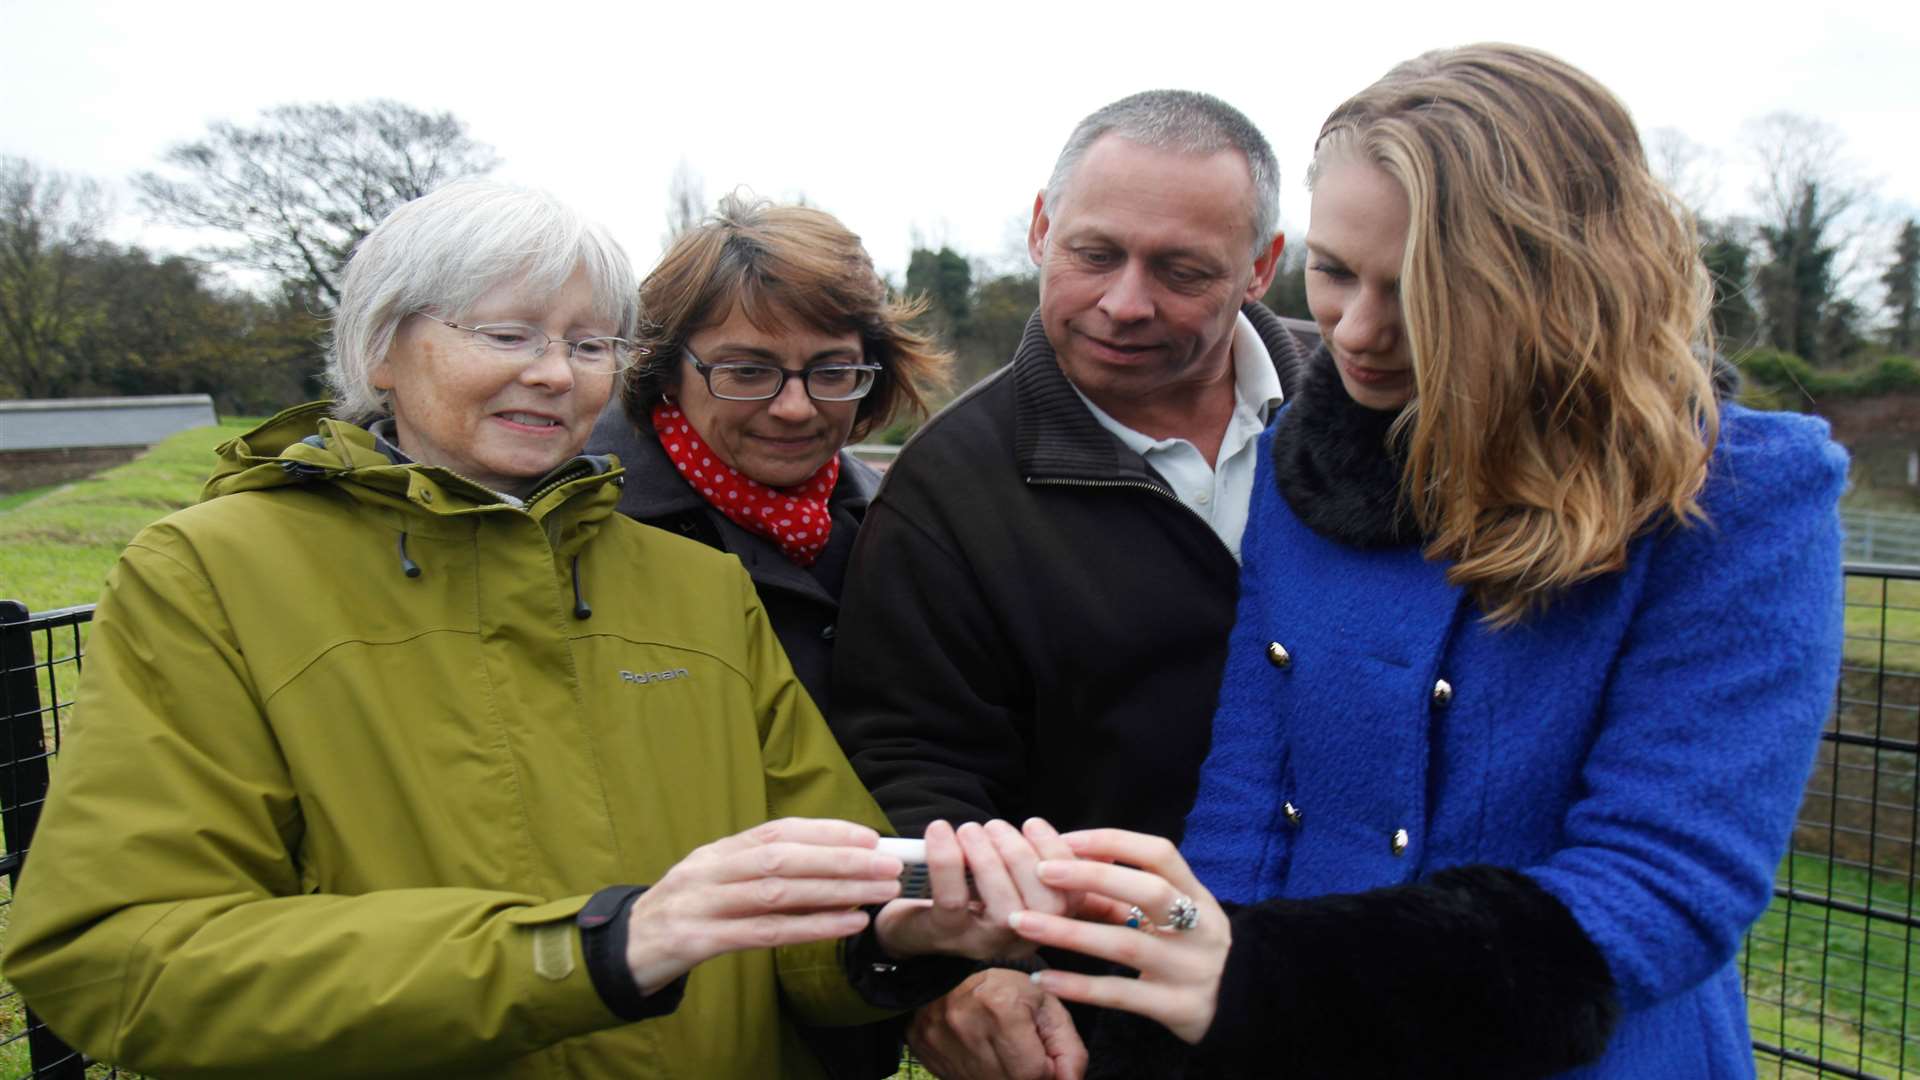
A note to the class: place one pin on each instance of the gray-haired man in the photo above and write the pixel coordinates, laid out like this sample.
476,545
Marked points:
1035,618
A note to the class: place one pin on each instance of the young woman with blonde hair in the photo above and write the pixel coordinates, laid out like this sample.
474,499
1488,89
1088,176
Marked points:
1535,639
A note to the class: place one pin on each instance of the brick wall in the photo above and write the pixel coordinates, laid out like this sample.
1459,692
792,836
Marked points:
24,469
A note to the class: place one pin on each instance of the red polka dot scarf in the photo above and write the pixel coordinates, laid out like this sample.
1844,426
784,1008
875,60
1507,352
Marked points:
796,518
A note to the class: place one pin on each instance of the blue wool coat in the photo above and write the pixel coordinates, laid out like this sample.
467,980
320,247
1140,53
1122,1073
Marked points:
1638,750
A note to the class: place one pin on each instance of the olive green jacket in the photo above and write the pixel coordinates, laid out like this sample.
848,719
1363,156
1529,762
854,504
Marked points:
318,817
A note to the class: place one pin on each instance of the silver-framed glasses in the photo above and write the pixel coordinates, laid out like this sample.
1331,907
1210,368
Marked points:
527,343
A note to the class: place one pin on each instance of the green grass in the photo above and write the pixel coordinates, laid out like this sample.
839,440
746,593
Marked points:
1870,973
55,550
13,499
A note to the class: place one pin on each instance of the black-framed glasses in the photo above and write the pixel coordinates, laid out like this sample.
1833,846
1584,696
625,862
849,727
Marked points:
749,380
595,355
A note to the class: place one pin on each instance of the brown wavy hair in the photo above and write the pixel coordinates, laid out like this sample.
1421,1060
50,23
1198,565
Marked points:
779,263
1555,309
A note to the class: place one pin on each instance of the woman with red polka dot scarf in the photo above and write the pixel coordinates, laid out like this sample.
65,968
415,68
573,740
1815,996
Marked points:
774,344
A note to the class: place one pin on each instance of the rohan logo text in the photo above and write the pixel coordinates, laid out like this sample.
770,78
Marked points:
653,676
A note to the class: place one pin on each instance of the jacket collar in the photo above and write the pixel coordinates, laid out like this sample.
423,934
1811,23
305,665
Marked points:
1333,463
1055,437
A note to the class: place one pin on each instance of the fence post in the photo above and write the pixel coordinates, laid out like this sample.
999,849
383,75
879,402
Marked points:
23,789
23,769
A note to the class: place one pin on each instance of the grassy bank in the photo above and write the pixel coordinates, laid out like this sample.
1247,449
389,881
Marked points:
55,549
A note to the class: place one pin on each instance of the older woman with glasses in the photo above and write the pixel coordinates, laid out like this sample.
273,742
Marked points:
404,754
773,344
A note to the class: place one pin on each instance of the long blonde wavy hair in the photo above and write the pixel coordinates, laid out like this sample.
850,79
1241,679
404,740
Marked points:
1555,307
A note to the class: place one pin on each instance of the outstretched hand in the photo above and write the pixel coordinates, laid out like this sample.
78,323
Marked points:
1179,981
781,883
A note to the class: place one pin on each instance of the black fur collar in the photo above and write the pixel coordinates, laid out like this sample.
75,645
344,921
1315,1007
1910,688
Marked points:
1332,464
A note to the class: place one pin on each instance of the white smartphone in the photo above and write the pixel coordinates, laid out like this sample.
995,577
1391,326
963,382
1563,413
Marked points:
913,870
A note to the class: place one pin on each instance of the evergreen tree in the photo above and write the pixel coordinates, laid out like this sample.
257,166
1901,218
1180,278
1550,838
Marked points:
1902,280
1796,282
946,280
1736,325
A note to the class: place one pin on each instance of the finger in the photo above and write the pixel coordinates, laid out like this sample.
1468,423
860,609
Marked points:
745,899
802,860
1046,840
946,873
990,878
1017,1046
1152,1000
1019,857
1049,844
1155,853
830,832
773,931
1061,1039
1123,883
1096,908
1152,955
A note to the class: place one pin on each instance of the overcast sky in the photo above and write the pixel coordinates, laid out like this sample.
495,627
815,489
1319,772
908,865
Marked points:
904,119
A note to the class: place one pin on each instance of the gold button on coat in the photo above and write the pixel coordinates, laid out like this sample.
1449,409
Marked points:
1442,693
1278,656
1292,812
1400,841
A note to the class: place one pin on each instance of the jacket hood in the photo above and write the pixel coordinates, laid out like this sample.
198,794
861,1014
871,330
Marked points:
301,444
306,444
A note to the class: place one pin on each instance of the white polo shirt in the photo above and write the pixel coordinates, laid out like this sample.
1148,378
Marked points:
1219,494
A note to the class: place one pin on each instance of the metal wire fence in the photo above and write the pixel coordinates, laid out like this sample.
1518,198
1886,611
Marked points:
1832,970
40,658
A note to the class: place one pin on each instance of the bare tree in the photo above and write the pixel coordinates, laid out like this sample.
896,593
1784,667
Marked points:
50,223
686,202
1690,170
300,188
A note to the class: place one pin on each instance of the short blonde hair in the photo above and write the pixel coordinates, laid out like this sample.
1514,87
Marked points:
1556,312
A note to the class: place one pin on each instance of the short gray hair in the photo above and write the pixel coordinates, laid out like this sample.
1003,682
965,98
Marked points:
443,252
1181,122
